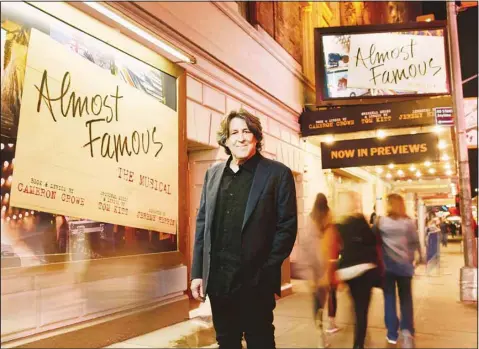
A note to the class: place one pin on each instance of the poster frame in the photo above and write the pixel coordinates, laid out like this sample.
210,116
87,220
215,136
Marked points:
131,264
320,73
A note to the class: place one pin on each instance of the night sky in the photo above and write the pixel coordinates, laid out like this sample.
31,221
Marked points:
467,27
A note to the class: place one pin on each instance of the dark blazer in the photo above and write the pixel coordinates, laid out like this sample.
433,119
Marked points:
269,224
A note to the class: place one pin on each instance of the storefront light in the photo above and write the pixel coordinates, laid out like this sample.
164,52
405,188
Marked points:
418,174
445,157
159,43
432,171
400,173
412,168
427,163
441,144
391,166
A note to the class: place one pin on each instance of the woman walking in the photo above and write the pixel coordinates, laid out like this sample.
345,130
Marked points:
321,249
399,241
359,265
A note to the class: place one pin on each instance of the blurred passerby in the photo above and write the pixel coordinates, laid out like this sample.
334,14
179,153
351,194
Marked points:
373,216
321,252
359,261
443,227
400,241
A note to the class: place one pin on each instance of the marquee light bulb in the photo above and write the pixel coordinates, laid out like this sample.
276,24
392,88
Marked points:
432,171
391,166
379,170
418,174
441,144
400,173
329,139
412,168
381,134
445,157
389,175
427,163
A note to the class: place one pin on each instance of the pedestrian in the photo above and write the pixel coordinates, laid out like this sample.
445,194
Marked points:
320,248
360,263
372,218
443,227
245,228
400,241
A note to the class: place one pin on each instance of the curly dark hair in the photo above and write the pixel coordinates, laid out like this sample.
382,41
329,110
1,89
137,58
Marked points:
253,123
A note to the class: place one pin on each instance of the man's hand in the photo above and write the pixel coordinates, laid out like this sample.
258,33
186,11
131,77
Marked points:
197,289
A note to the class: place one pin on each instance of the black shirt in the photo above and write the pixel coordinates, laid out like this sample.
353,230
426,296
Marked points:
225,269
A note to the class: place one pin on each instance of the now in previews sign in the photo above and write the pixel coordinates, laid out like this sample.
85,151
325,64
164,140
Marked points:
373,151
396,61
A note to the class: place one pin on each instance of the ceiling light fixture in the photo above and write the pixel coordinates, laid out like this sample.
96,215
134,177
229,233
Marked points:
140,32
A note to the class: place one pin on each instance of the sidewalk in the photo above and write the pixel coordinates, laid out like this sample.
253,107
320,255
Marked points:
441,320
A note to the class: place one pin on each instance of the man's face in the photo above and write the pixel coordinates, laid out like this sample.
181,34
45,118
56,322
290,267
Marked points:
241,141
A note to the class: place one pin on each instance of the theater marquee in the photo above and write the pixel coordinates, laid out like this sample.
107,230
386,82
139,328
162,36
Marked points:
373,151
91,146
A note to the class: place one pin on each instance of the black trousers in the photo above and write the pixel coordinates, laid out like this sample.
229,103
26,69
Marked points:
360,288
250,312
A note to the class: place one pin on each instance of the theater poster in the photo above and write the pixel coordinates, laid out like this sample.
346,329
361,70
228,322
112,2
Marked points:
91,145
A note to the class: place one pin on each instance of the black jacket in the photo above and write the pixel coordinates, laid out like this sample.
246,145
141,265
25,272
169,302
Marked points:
269,224
358,242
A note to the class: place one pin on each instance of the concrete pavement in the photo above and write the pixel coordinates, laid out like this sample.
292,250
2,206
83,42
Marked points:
441,320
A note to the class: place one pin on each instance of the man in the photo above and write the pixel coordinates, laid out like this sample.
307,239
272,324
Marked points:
245,228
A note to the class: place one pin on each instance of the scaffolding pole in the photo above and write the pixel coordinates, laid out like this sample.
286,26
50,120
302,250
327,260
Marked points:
468,284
